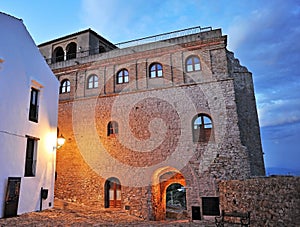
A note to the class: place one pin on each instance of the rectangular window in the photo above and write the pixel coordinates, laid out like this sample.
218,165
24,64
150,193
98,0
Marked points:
197,66
153,74
210,206
126,78
90,85
120,80
30,160
189,68
34,108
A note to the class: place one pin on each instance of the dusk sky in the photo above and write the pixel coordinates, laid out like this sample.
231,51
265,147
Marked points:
263,34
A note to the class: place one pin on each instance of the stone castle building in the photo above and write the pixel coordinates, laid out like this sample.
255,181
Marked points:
153,123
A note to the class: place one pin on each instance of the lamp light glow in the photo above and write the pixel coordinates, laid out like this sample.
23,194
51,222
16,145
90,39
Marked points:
60,141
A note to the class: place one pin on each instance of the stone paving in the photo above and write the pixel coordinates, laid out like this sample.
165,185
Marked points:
70,214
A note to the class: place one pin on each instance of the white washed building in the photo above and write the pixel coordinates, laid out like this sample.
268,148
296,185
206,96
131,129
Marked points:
28,122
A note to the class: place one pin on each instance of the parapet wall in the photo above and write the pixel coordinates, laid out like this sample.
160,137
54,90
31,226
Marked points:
272,201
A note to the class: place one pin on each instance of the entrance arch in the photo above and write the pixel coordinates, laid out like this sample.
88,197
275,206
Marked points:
161,180
112,193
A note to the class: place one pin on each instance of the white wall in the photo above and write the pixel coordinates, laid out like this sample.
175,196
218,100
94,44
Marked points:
23,67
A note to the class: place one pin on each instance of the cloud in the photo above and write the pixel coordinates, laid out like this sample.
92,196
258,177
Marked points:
283,133
99,14
266,39
125,20
269,22
117,19
279,112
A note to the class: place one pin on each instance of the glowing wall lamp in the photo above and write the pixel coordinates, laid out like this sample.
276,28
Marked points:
60,141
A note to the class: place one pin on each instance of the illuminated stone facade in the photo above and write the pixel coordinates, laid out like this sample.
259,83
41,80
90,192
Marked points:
141,118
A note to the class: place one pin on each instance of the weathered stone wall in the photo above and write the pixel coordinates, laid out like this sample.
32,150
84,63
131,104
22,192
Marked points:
273,201
90,156
155,126
247,112
75,180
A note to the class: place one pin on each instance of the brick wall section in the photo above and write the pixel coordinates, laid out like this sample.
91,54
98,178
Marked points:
273,201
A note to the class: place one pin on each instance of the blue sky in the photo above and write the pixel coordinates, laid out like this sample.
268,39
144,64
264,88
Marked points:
263,35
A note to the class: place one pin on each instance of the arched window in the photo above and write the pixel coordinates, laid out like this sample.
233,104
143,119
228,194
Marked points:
122,76
71,50
58,54
92,81
193,64
112,193
156,70
65,86
112,128
202,128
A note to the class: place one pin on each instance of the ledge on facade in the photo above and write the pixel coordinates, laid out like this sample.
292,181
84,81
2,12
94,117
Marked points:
143,44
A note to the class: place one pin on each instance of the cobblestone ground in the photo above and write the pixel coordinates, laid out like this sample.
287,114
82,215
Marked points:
70,214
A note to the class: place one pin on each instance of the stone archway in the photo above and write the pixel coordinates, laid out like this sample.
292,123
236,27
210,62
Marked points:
161,180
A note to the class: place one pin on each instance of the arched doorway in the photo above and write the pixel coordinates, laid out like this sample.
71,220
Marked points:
164,181
112,192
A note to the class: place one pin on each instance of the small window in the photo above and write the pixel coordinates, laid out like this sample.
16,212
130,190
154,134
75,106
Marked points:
92,82
65,86
156,70
202,128
112,128
193,64
34,108
30,160
122,76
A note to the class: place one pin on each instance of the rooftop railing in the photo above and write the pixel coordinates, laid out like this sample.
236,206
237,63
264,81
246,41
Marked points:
163,36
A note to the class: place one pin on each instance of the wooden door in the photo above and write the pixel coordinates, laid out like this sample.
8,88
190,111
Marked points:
115,195
12,197
112,193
